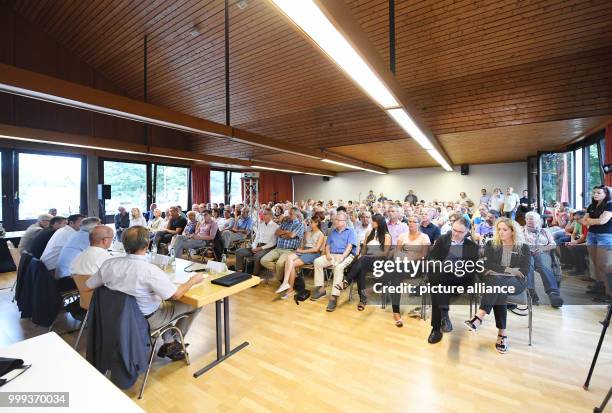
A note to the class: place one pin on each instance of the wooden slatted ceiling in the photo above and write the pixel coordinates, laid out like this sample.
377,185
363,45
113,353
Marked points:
469,65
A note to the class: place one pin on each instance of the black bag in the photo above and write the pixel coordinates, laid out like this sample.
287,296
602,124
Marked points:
301,293
249,266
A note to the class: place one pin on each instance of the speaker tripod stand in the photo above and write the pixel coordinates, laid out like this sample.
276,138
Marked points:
606,323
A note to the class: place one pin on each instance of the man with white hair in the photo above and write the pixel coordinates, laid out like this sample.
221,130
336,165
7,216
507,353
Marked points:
90,260
362,226
30,233
340,252
76,244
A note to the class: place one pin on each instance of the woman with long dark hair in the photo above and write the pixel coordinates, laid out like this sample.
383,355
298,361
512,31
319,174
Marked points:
376,246
599,238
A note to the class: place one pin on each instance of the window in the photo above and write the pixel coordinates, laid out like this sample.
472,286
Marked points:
171,187
217,185
236,188
48,181
592,168
557,177
128,181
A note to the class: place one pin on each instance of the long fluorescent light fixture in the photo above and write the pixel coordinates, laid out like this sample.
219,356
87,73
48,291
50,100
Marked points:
348,165
436,155
268,168
307,15
405,121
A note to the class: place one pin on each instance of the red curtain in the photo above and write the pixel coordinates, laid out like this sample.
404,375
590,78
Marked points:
608,157
276,187
200,184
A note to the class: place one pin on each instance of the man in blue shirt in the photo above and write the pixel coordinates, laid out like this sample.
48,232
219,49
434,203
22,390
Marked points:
77,243
340,251
289,237
428,228
241,229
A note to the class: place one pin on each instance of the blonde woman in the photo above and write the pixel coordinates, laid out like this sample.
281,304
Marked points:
136,218
506,265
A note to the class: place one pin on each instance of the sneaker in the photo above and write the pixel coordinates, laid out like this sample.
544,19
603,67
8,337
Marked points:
283,287
331,306
318,293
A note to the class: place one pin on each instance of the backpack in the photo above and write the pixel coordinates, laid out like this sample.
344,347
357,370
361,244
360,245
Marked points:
301,293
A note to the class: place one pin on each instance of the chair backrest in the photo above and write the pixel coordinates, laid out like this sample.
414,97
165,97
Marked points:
85,299
15,254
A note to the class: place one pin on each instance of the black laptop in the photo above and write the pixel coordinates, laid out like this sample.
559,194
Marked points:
231,279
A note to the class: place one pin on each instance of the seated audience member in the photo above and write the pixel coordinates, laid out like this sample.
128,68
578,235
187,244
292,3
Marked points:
511,203
428,228
541,244
192,223
395,226
451,247
136,218
573,252
180,211
52,212
480,215
265,240
289,237
26,239
41,239
225,221
155,223
506,263
411,246
91,259
340,250
54,247
240,230
484,230
376,247
76,244
155,294
150,213
176,225
362,226
311,250
203,236
200,211
122,222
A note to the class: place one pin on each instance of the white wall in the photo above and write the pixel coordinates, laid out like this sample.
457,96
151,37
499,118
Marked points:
428,183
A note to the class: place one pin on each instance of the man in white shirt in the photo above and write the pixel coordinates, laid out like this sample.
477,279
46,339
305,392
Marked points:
362,226
60,238
511,203
265,240
89,261
155,294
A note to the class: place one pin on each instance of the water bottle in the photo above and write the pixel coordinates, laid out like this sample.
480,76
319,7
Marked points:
154,249
172,261
224,258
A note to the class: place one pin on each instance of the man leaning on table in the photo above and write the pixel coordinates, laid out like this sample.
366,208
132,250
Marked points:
155,294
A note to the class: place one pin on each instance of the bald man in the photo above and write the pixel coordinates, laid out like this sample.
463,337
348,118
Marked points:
89,261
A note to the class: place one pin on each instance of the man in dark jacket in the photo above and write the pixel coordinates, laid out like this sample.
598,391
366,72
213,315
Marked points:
40,241
453,246
122,222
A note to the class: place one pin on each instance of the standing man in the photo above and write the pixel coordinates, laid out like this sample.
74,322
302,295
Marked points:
264,241
511,203
340,252
485,198
411,198
497,201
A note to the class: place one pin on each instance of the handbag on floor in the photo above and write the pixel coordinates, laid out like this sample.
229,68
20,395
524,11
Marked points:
301,293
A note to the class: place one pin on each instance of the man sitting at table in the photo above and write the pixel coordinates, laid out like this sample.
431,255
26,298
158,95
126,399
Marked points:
41,239
91,259
42,223
176,225
204,234
155,294
77,243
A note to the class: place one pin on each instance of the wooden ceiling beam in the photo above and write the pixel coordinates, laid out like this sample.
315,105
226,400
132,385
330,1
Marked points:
111,145
38,86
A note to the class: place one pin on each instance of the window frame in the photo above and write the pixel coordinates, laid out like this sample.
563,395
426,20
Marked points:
153,167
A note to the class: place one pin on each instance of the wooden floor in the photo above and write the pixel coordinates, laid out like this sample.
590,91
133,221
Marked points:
302,359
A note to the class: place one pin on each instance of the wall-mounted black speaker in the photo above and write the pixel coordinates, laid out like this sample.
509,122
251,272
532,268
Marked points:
104,191
465,169
326,179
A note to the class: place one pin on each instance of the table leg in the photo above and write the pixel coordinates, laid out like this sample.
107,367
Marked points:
219,332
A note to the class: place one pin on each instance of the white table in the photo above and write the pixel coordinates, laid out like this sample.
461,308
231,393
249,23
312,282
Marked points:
56,367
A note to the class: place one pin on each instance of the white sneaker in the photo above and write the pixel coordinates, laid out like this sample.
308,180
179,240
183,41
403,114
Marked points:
288,295
283,287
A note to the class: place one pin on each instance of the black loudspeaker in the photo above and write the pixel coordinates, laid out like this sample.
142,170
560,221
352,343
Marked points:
326,178
465,169
104,191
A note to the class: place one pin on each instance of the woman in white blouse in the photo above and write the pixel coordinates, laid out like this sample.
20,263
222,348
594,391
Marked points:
136,218
156,221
